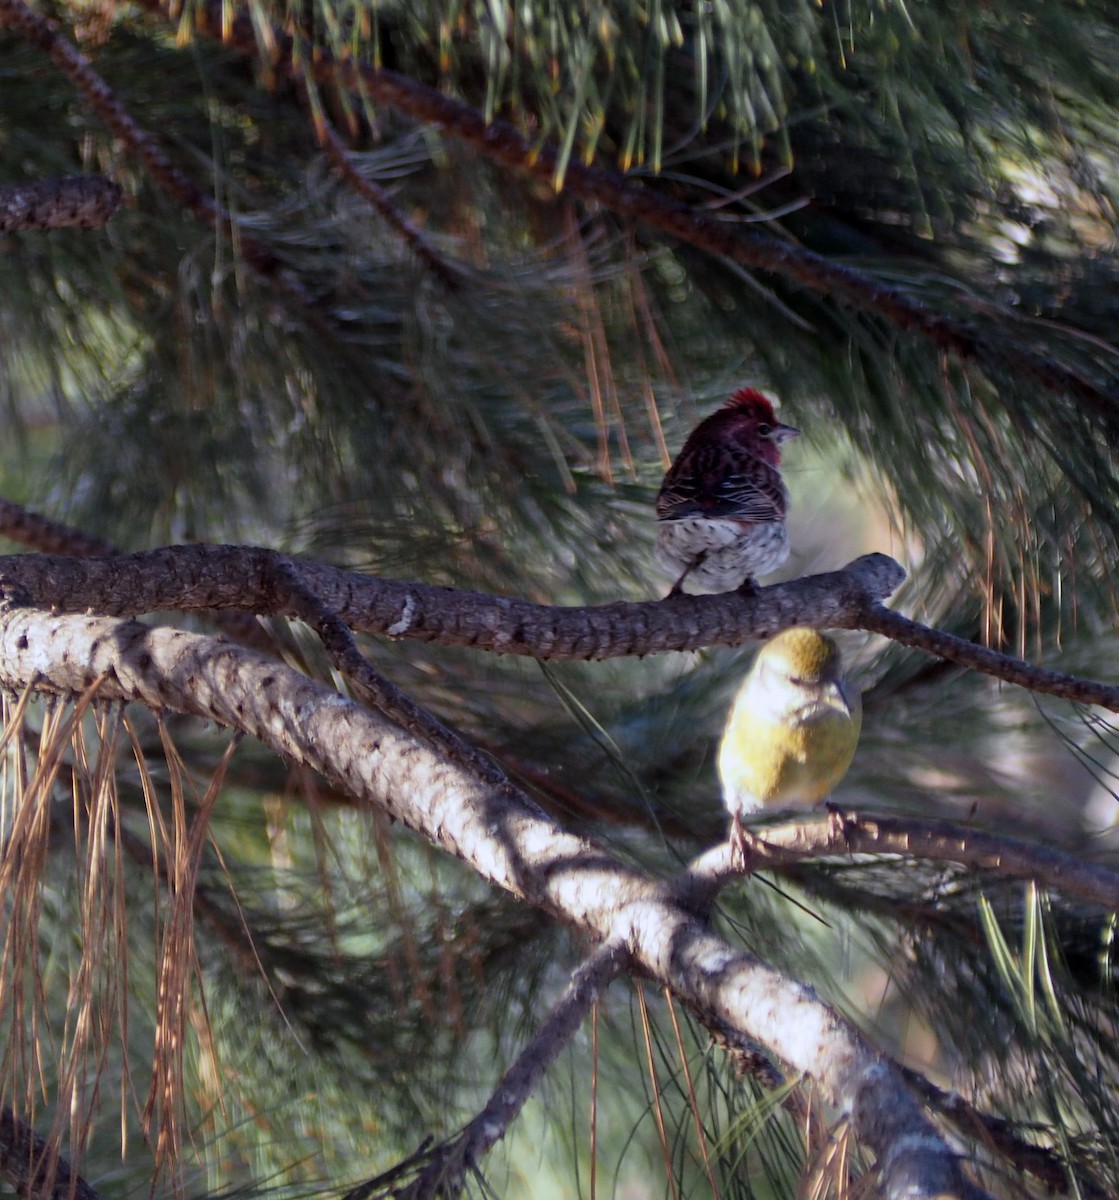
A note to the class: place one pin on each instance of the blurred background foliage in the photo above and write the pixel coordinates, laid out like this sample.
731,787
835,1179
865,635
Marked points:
494,411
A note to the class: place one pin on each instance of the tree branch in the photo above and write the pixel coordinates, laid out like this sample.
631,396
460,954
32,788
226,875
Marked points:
442,1169
636,201
416,240
190,578
294,596
1041,1162
42,32
78,201
34,1168
813,836
947,646
19,524
506,840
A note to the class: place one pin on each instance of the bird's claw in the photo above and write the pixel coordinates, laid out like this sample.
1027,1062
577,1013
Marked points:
840,824
740,847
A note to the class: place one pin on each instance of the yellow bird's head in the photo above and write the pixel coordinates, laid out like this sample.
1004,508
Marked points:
801,660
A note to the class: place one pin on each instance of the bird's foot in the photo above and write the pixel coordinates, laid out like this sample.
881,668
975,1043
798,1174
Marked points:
840,823
748,587
741,844
678,587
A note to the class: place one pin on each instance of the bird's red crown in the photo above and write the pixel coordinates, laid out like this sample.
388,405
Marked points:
749,402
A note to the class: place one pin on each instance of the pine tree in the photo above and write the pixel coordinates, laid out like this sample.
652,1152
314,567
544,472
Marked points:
414,785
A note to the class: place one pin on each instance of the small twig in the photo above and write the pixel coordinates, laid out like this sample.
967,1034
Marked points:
813,836
43,32
378,1185
947,646
450,1162
19,524
77,202
296,598
417,241
1041,1162
635,201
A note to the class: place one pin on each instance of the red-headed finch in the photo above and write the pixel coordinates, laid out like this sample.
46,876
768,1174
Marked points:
722,504
792,730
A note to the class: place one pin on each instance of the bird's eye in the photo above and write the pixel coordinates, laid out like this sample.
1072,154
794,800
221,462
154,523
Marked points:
764,430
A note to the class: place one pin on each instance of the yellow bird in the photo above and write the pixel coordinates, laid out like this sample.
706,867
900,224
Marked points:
792,730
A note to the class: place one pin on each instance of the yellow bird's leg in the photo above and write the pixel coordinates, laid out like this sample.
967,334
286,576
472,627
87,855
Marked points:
839,822
740,843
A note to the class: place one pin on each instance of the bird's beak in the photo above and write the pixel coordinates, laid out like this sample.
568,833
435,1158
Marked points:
838,695
784,433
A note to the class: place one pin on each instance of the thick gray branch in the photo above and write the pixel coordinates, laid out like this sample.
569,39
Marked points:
508,842
191,578
198,577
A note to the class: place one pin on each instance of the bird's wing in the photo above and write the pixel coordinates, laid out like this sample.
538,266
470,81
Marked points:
722,481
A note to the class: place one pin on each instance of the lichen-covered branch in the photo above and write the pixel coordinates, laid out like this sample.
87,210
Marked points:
506,840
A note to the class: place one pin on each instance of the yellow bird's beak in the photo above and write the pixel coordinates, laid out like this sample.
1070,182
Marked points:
838,695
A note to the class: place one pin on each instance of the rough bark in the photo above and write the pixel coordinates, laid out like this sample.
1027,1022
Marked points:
815,836
78,201
193,578
507,841
33,1168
